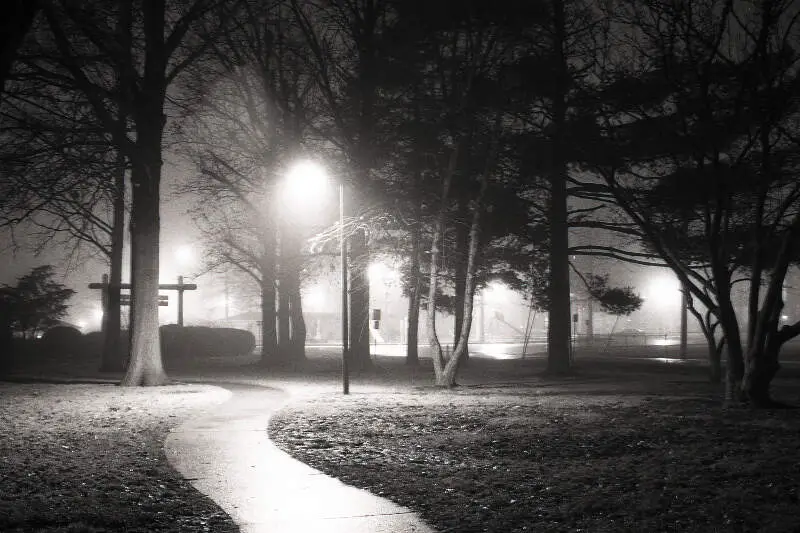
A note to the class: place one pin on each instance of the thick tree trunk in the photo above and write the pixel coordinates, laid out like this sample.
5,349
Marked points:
269,334
714,359
112,360
760,370
297,325
560,327
761,362
734,370
284,341
145,365
298,328
291,326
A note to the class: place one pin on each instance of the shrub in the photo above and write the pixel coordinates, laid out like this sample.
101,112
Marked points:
64,339
197,342
237,341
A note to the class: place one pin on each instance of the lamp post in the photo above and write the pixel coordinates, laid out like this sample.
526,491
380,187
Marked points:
345,324
308,176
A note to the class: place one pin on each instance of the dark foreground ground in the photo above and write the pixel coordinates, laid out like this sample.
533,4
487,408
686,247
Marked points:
88,458
621,446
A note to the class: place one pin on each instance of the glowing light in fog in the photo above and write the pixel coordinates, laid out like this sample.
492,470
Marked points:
496,291
314,299
305,184
381,273
184,255
663,290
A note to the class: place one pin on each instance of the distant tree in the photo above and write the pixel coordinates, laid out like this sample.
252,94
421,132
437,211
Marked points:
613,300
698,146
36,302
565,39
244,137
62,180
346,46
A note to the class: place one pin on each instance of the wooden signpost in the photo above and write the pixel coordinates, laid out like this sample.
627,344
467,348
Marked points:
163,299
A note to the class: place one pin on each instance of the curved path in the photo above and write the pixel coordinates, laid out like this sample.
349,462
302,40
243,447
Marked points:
226,454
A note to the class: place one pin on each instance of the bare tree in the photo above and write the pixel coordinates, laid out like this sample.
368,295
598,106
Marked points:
703,160
148,45
62,175
244,138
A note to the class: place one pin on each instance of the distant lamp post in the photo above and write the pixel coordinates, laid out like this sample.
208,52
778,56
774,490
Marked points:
302,183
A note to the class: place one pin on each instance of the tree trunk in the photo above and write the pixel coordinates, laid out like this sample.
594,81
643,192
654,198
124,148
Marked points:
269,334
436,243
447,378
560,328
112,360
284,345
359,303
734,371
415,295
714,359
297,325
145,366
759,373
460,255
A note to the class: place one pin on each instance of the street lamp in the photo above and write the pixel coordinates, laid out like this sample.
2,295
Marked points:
307,176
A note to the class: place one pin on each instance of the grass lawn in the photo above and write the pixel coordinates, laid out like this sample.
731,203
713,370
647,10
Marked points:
613,449
89,458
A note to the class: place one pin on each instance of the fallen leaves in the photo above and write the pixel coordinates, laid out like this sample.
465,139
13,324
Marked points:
89,458
605,462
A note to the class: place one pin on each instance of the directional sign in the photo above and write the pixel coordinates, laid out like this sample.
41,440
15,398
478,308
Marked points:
177,286
162,286
163,300
125,299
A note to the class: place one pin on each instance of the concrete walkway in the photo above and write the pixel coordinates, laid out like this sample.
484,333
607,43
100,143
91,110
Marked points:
227,455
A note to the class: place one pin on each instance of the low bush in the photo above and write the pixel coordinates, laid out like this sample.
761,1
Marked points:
178,343
65,339
237,341
196,342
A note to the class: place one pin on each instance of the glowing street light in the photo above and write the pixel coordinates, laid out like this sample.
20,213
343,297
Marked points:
303,179
184,255
496,292
663,291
